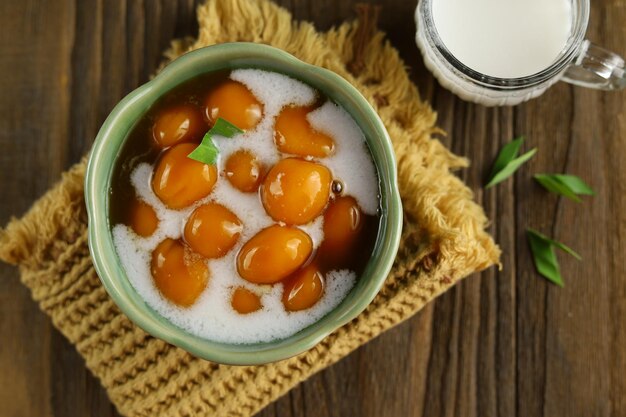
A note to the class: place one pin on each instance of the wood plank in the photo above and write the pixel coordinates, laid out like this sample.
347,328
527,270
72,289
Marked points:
73,390
582,341
34,105
504,344
612,135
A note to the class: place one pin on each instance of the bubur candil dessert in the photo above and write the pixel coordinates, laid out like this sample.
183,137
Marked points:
251,235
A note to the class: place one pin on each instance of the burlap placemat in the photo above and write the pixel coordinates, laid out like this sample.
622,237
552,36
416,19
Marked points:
443,238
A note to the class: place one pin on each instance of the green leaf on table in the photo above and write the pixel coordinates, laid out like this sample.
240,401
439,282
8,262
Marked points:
559,245
508,162
544,257
207,152
569,186
507,154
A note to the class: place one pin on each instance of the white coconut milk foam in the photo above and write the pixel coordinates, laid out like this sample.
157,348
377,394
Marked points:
212,316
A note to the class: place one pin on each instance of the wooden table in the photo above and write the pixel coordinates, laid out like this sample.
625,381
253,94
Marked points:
503,343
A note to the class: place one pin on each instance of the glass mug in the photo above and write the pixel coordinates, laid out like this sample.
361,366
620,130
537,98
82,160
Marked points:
580,62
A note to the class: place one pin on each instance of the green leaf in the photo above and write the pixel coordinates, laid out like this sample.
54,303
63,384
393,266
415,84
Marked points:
569,186
509,168
545,260
552,184
559,245
506,155
576,184
224,128
207,152
544,257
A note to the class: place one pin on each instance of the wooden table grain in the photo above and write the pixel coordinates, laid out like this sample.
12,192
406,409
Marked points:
501,343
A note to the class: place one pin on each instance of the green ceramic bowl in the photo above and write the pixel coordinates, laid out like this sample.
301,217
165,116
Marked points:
98,184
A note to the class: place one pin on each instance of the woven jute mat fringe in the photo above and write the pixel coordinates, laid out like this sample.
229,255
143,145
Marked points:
443,238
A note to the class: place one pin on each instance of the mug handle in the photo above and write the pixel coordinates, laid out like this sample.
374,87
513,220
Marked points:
596,68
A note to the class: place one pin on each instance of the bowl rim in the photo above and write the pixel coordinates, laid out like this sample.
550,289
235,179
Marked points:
107,263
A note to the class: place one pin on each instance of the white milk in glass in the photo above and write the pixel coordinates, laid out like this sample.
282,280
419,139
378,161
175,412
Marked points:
502,41
504,38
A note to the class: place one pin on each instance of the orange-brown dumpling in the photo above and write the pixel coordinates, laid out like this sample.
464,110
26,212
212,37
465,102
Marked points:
212,230
183,123
343,222
303,289
179,181
296,191
245,301
243,170
142,218
294,134
234,102
273,253
178,273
